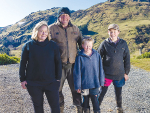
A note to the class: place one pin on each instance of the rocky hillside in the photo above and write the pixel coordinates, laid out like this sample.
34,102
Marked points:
133,18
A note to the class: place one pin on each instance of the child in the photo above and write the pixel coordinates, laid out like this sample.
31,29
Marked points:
88,75
116,62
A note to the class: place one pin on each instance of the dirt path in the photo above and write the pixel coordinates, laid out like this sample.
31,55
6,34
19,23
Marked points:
14,99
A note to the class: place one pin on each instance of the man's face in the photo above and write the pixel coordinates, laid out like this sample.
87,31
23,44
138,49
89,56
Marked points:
113,34
64,19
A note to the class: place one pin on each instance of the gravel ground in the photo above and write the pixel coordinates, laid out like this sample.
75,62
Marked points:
14,99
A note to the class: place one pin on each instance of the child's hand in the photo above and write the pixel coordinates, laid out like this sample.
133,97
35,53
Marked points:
126,77
79,91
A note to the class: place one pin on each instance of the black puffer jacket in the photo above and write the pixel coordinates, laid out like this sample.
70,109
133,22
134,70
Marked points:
40,61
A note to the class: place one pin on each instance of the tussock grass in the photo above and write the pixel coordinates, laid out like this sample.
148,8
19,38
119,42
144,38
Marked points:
141,63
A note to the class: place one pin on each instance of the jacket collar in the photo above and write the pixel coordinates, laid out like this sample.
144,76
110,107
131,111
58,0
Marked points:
114,42
108,40
41,43
83,54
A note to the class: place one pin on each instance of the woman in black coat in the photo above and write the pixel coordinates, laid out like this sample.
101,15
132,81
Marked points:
40,68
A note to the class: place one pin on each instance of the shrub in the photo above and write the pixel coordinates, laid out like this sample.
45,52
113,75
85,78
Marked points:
145,55
5,59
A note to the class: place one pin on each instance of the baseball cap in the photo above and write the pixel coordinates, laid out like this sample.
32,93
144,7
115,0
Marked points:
113,26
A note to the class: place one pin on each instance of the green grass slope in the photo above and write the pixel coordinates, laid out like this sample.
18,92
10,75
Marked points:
132,17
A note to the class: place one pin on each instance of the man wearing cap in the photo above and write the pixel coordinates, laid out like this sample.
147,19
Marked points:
67,36
116,63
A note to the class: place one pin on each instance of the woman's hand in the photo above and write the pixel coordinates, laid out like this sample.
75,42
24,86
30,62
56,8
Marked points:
126,77
79,91
23,84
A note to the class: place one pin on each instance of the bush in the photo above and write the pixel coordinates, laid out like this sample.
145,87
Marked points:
145,55
5,59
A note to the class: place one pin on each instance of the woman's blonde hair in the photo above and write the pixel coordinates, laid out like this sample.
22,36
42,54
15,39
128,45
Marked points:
87,38
37,27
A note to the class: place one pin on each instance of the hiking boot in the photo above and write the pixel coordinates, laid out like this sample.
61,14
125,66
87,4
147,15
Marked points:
86,110
119,110
79,109
61,107
96,111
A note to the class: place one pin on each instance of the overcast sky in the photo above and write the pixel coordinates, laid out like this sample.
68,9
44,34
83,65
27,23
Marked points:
12,11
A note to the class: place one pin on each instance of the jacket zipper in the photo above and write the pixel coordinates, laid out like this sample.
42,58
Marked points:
67,46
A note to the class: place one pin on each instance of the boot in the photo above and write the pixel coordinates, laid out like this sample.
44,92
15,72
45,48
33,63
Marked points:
119,110
61,107
61,97
61,102
86,110
79,109
96,111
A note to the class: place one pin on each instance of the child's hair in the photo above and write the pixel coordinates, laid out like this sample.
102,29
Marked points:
86,38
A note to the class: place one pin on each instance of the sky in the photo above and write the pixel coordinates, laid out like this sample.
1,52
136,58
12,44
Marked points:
12,11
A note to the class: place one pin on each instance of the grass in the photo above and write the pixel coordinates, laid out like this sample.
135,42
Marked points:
16,53
141,63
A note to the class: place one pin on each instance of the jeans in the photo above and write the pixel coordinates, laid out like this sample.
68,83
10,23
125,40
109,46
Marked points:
93,94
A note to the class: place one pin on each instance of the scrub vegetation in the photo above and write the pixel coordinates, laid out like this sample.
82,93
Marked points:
5,59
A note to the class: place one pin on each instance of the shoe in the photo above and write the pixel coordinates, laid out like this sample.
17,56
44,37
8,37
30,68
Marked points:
61,107
79,109
86,110
96,111
119,110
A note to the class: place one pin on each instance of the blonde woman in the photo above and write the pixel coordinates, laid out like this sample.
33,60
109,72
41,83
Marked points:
40,69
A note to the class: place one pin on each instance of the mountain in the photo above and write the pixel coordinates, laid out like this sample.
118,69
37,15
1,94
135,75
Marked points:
133,18
13,37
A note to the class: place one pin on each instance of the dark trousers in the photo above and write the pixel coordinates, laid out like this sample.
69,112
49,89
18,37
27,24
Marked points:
51,92
67,73
118,93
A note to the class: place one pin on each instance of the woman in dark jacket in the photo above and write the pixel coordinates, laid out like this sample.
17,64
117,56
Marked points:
40,69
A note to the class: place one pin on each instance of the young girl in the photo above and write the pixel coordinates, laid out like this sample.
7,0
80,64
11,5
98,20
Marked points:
88,75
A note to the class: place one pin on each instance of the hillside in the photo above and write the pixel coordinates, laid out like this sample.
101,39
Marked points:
14,36
132,17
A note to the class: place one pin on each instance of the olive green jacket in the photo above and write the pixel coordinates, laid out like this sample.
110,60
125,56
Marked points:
67,40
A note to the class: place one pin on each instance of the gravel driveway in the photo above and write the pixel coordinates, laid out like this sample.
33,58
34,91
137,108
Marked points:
14,99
